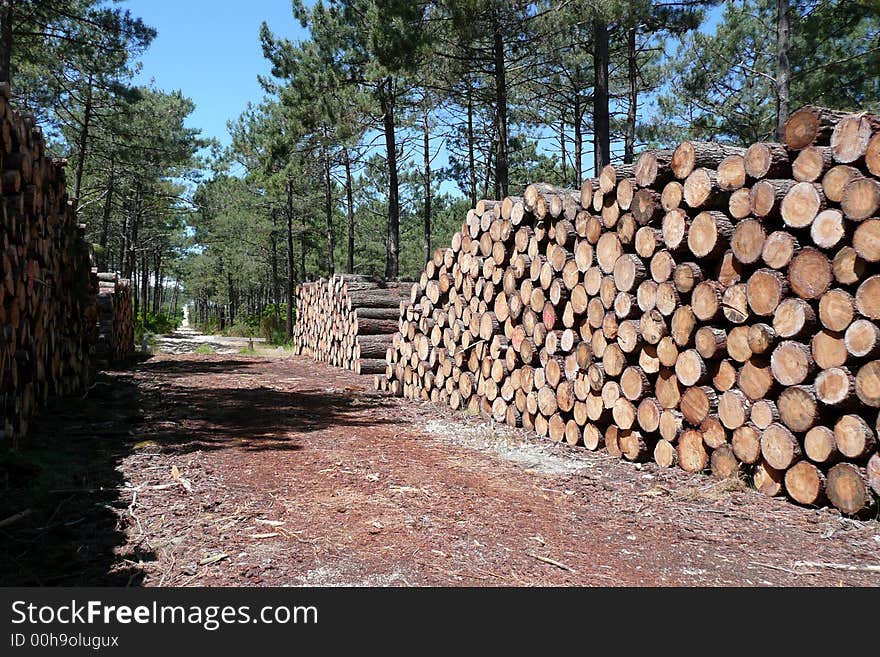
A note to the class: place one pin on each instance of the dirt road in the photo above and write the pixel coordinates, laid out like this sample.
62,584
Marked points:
259,470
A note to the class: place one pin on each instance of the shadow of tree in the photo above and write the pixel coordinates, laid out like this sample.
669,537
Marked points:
68,475
66,480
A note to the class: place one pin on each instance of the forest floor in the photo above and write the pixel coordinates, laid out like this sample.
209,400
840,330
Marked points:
233,470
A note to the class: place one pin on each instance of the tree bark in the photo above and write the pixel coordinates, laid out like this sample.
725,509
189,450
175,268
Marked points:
290,261
102,259
349,196
501,161
427,181
392,242
276,293
783,65
6,39
601,125
472,168
328,208
632,76
83,142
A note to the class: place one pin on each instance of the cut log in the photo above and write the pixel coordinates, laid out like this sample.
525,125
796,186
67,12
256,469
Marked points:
848,267
766,196
767,160
851,135
861,199
779,447
801,205
810,273
665,454
798,408
809,125
805,483
868,384
827,229
748,240
692,455
820,446
866,240
853,437
779,248
709,234
873,472
767,479
835,386
765,290
724,463
862,339
697,403
846,488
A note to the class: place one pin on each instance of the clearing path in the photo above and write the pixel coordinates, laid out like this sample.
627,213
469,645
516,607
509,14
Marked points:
264,470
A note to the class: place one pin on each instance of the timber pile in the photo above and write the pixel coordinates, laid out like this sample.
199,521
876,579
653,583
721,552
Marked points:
348,321
712,307
46,292
115,324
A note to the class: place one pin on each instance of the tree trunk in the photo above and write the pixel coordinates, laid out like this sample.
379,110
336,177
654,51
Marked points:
230,292
562,146
633,77
472,167
502,165
601,124
328,208
290,260
6,39
427,180
392,242
276,293
83,142
578,141
349,196
105,219
783,65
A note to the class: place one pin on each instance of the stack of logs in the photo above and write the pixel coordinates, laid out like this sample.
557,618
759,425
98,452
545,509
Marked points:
713,306
47,295
348,321
115,337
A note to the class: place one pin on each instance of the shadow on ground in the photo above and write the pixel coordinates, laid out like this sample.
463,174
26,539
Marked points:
67,479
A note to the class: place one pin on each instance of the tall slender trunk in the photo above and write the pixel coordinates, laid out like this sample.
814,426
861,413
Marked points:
123,246
6,39
601,121
349,205
157,283
276,292
392,241
578,141
131,238
562,148
290,261
105,219
472,167
83,142
328,206
427,162
502,165
783,65
145,286
632,74
230,292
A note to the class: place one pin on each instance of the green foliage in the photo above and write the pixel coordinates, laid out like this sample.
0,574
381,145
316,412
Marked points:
722,85
157,324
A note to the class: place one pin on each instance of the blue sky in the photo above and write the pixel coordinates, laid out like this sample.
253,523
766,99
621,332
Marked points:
210,49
